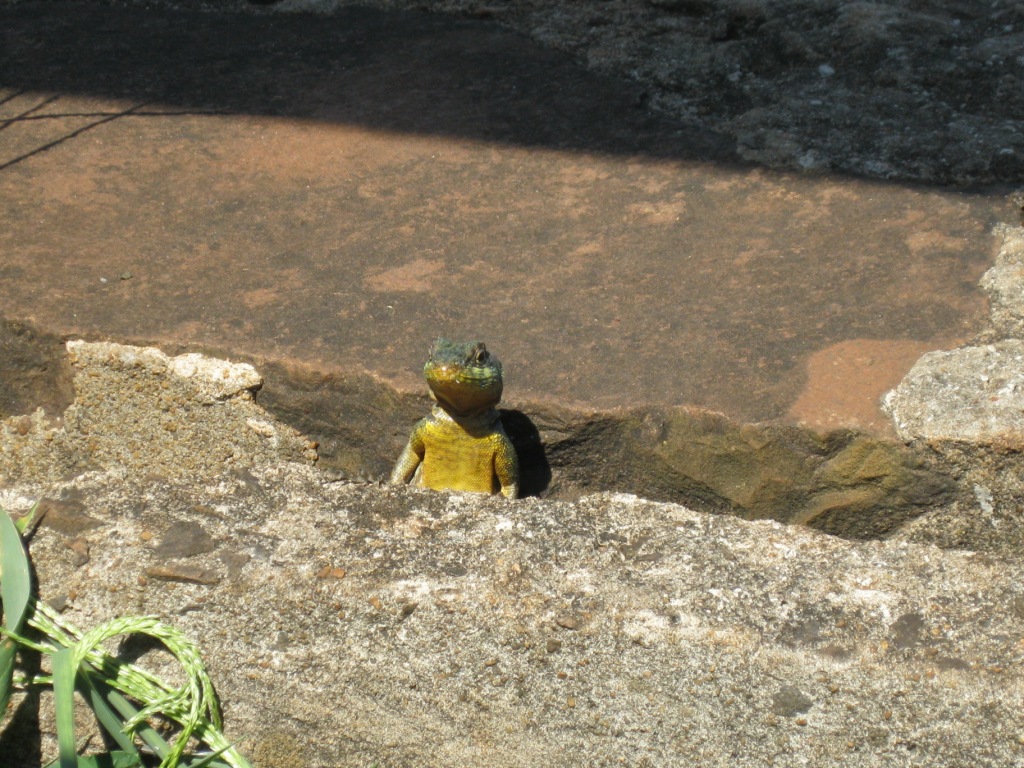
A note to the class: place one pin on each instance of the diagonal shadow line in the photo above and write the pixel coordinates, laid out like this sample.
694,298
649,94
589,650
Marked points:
26,115
4,122
78,132
11,97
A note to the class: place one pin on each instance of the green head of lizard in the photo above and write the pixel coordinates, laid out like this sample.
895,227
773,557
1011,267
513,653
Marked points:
464,379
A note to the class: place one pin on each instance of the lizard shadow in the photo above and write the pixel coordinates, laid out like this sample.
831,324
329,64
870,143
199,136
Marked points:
534,470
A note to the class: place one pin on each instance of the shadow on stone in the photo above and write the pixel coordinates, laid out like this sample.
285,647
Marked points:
534,470
842,482
22,735
408,72
35,370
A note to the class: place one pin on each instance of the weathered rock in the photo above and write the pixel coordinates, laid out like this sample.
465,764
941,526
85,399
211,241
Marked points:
889,89
542,630
80,547
972,394
184,540
67,517
141,411
461,628
186,574
1004,283
964,407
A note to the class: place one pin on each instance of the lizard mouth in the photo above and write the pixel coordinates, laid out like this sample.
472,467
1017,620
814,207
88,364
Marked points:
461,389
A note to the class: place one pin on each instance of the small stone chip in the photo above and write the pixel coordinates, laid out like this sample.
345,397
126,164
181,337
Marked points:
59,603
65,516
187,574
184,539
80,547
568,622
330,572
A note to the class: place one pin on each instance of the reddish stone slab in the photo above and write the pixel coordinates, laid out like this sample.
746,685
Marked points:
339,191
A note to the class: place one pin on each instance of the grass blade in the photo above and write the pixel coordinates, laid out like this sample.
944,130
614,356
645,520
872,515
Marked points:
29,521
64,706
7,651
15,594
97,693
110,760
126,711
210,760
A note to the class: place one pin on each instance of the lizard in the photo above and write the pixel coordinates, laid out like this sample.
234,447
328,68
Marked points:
461,445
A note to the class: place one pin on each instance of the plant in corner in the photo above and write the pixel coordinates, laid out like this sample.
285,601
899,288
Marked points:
124,697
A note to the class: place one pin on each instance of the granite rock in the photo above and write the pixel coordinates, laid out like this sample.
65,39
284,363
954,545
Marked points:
468,629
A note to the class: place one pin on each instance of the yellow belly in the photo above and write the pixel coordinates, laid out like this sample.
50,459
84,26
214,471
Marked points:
455,461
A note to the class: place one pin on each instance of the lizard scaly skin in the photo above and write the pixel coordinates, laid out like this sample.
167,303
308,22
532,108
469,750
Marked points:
461,445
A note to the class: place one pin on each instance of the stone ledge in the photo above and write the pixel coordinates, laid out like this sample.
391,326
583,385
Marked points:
348,624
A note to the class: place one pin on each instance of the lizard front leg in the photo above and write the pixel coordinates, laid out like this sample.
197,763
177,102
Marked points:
410,460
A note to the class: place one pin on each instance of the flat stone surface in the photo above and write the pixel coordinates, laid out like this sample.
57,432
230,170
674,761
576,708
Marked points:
336,191
468,630
972,394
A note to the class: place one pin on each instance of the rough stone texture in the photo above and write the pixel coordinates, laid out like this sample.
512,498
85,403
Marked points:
349,623
139,409
145,413
421,629
974,394
841,482
1004,283
902,89
971,394
966,408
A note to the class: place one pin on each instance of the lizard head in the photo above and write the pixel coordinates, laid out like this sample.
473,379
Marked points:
464,379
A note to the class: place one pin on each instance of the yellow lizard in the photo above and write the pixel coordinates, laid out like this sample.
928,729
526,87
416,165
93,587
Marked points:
461,445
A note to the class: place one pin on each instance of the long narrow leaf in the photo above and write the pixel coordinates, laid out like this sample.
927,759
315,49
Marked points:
7,652
64,706
210,760
126,710
96,694
110,760
15,578
29,521
15,593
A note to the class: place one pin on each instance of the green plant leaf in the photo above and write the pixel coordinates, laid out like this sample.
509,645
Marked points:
126,711
15,594
64,706
97,693
110,760
210,760
28,520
